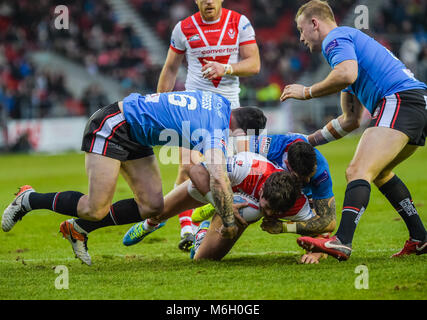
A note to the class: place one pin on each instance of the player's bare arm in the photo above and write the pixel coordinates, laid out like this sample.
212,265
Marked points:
170,71
221,190
249,64
343,75
324,221
347,122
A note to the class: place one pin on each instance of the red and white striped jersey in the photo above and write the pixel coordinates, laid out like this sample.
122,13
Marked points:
214,41
248,171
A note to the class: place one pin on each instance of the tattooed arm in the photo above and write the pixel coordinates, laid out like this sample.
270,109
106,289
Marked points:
324,221
222,193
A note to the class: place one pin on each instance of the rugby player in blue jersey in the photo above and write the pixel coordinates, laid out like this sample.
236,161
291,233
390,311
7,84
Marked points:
292,153
119,138
368,75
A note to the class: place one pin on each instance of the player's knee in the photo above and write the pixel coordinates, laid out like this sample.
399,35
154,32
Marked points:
354,172
97,213
154,207
383,178
357,172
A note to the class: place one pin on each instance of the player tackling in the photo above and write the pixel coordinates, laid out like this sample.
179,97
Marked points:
368,75
118,139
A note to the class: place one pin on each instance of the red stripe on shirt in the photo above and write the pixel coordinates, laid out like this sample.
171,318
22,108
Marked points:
247,42
176,50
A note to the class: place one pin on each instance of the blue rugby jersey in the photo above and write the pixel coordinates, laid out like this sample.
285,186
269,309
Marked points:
275,148
380,73
198,120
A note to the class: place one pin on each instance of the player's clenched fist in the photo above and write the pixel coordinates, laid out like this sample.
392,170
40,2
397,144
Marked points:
272,226
213,69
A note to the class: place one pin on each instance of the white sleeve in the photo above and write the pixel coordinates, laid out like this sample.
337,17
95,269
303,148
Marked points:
178,39
246,31
239,167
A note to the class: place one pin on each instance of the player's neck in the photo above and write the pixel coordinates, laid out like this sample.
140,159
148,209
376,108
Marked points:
326,28
212,20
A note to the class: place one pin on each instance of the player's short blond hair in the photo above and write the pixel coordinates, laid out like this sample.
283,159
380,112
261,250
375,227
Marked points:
316,8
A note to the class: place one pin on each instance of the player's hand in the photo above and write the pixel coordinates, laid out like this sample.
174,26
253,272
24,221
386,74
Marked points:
237,216
312,257
295,91
272,226
229,232
212,70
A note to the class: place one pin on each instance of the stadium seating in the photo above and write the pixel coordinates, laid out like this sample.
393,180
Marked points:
103,46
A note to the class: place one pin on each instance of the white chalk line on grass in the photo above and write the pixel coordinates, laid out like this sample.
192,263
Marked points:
130,256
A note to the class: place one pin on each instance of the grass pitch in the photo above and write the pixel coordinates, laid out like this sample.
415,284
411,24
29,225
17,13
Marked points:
260,267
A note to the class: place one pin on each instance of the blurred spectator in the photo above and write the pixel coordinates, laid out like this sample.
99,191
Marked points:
99,43
283,59
94,39
93,99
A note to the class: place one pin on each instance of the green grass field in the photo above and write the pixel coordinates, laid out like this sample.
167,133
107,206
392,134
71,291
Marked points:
260,267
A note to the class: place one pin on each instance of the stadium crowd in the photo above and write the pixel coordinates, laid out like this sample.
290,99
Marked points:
98,42
401,26
94,39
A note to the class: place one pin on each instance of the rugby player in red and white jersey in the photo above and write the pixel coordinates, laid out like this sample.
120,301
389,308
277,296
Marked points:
219,46
278,192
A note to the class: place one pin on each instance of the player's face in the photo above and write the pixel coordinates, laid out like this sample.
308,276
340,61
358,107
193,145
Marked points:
210,9
309,33
306,180
264,206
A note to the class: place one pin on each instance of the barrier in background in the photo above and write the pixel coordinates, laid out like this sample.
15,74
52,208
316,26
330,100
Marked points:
48,135
65,134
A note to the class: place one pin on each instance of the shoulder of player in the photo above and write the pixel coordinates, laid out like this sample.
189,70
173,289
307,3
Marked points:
331,40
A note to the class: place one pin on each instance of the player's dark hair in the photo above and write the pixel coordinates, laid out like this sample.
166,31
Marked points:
250,118
281,190
302,158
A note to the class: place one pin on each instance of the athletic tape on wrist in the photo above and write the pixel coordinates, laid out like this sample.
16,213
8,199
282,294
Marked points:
338,128
327,134
289,227
228,69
